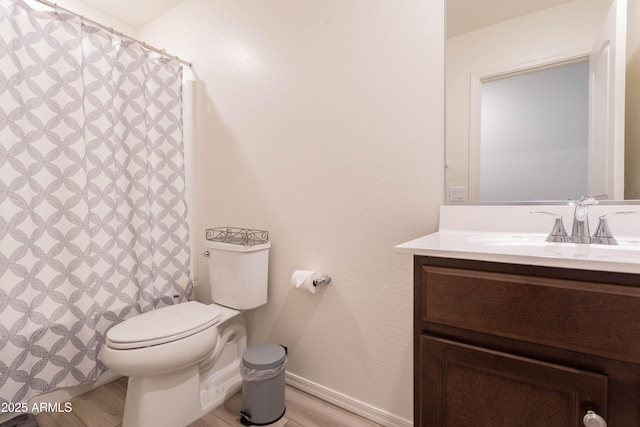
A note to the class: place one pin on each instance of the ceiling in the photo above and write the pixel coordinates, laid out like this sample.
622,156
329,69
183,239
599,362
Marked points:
136,13
468,15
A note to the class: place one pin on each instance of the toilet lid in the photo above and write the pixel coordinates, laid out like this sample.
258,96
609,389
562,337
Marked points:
162,325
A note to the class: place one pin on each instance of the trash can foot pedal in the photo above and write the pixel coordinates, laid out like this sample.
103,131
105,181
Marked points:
245,419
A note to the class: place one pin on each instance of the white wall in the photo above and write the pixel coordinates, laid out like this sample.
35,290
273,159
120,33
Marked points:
564,30
632,107
323,123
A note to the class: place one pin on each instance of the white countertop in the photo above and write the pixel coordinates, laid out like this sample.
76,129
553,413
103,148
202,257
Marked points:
510,234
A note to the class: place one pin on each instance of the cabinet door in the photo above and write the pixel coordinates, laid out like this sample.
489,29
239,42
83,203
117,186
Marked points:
462,385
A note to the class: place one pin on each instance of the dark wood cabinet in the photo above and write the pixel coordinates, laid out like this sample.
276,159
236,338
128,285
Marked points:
465,385
518,345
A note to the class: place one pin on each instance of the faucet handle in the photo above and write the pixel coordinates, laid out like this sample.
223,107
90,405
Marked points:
558,233
602,234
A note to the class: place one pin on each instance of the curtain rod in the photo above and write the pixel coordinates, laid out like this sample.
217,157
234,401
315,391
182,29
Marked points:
112,31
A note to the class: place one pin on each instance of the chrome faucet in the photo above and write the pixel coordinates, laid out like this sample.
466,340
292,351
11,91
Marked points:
580,231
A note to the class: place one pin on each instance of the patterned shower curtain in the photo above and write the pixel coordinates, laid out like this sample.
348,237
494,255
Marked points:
93,217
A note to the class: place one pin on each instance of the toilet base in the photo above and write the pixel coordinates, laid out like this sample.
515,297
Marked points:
177,405
179,398
163,400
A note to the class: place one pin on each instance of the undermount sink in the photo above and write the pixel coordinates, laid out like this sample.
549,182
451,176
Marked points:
508,239
486,234
536,245
535,240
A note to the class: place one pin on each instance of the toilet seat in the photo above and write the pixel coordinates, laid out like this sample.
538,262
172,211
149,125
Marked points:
163,325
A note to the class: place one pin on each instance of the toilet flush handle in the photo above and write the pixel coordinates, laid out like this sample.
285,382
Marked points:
205,253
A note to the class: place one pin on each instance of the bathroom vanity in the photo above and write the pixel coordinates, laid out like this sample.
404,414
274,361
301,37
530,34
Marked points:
510,330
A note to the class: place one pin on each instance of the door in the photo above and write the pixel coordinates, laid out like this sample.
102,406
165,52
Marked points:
463,385
607,65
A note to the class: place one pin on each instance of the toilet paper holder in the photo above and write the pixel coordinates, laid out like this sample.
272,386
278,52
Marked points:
325,279
305,280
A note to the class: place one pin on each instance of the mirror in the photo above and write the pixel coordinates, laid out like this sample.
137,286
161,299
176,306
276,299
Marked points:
489,39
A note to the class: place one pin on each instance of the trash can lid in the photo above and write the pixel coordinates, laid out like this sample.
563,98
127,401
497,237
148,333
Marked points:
264,356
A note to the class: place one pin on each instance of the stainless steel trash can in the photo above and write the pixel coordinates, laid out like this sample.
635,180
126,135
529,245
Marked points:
263,384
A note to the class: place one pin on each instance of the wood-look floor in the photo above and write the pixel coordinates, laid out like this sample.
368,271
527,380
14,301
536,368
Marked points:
103,407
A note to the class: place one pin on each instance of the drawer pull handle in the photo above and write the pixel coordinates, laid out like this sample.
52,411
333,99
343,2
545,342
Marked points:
591,419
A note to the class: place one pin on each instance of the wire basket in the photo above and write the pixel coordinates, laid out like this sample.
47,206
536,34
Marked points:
238,236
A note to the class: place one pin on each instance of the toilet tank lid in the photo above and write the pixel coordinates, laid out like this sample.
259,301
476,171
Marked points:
163,325
235,247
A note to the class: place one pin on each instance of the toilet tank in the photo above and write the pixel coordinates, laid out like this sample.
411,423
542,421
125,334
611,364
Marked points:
238,274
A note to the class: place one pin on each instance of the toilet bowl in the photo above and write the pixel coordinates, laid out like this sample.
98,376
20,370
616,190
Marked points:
157,342
176,376
183,360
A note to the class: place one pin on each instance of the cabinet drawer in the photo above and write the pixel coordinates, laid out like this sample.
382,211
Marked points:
594,318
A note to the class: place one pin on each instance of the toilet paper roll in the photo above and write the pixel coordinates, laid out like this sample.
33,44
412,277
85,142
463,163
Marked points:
303,280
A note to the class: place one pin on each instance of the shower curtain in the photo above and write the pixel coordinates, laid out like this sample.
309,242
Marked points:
93,217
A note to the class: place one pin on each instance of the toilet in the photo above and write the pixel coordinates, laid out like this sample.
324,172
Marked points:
183,360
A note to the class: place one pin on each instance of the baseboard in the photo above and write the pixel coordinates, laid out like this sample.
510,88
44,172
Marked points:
345,402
